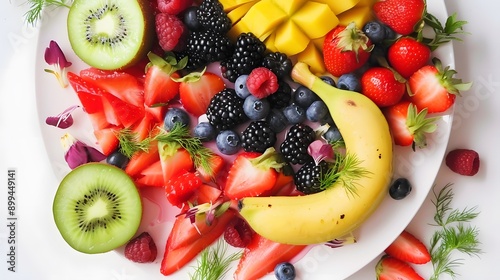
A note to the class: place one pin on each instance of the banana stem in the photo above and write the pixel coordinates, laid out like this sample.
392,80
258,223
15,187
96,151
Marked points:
302,75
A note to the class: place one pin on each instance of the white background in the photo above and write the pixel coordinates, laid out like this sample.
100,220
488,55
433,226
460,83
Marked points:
476,126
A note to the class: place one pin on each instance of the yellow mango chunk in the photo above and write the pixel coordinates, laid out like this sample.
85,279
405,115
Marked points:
339,6
269,42
289,6
318,42
312,56
368,3
237,13
263,17
230,5
290,39
315,19
237,29
360,15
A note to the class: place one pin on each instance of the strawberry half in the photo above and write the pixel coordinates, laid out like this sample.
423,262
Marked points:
434,88
409,126
389,268
408,248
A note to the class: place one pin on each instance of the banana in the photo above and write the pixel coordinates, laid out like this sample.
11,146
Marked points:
334,212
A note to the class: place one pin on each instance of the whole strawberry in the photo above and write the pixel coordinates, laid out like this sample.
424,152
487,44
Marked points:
407,55
345,49
141,249
463,161
382,87
402,16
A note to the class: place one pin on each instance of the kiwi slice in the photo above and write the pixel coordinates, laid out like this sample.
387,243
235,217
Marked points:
97,208
111,34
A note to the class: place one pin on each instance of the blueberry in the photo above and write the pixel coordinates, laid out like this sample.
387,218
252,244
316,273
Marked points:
190,19
228,142
277,120
317,111
329,80
118,159
256,108
304,97
284,271
400,188
349,82
389,33
240,86
375,31
205,131
332,135
176,115
294,113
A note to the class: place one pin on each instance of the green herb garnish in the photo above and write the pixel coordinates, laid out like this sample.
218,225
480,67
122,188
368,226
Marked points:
347,169
454,234
130,144
214,262
37,6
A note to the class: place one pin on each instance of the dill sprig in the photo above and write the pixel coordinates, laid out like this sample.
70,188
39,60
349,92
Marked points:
37,6
130,143
347,169
214,262
443,33
180,135
454,234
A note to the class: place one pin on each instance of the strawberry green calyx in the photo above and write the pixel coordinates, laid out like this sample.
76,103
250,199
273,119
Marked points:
353,39
191,77
269,159
419,125
445,76
168,65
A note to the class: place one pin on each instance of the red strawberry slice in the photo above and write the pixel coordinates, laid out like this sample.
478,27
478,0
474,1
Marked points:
408,248
400,15
98,120
142,128
174,159
89,94
181,187
107,140
216,164
197,89
262,255
463,161
159,87
141,160
126,113
151,176
389,268
205,194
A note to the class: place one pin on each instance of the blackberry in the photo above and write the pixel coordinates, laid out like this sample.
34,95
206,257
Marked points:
281,98
308,178
257,137
279,63
211,15
225,110
206,46
297,140
248,54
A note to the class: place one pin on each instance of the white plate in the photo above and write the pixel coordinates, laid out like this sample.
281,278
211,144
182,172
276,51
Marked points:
320,262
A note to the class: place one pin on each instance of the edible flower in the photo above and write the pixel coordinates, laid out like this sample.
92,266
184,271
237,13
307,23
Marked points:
78,153
62,120
320,151
55,57
209,210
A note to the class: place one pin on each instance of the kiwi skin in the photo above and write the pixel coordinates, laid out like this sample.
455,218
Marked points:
79,202
114,60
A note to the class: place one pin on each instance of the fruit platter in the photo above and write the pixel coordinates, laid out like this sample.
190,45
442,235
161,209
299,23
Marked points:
235,131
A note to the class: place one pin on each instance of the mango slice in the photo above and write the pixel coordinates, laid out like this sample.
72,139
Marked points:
290,39
237,13
315,19
230,5
339,6
313,57
360,15
289,6
264,17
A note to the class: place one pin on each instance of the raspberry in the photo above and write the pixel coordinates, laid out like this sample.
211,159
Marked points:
173,7
463,161
170,31
262,82
238,233
141,249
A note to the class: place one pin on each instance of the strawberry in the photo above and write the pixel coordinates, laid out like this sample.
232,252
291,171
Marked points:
216,164
434,88
159,87
205,194
382,86
402,16
174,159
151,176
409,126
345,49
197,89
407,55
141,160
252,174
89,94
173,7
408,248
389,268
107,140
262,82
463,161
126,113
261,256
181,187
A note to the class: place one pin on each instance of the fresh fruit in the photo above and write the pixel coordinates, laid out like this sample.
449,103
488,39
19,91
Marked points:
310,175
381,85
281,98
97,208
389,268
216,163
204,131
317,111
173,7
279,63
408,125
117,159
345,49
304,97
141,249
408,248
225,110
248,54
211,16
181,187
463,161
206,46
262,82
297,140
238,233
169,30
304,216
256,108
151,176
434,87
407,55
173,159
106,139
401,16
294,114
110,35
375,31
228,142
400,188
240,86
176,116
350,82
284,271
159,87
140,160
257,137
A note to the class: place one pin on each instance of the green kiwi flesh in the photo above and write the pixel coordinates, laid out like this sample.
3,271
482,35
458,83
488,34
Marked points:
110,34
97,208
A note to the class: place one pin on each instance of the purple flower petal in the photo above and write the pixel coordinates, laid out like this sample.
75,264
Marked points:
320,151
78,153
55,56
62,120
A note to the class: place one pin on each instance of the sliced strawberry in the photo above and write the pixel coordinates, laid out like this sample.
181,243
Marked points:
158,113
109,112
262,255
389,268
205,194
216,164
142,160
197,89
89,94
159,87
175,259
408,248
282,186
126,113
99,120
142,129
174,159
251,174
181,187
107,140
151,176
